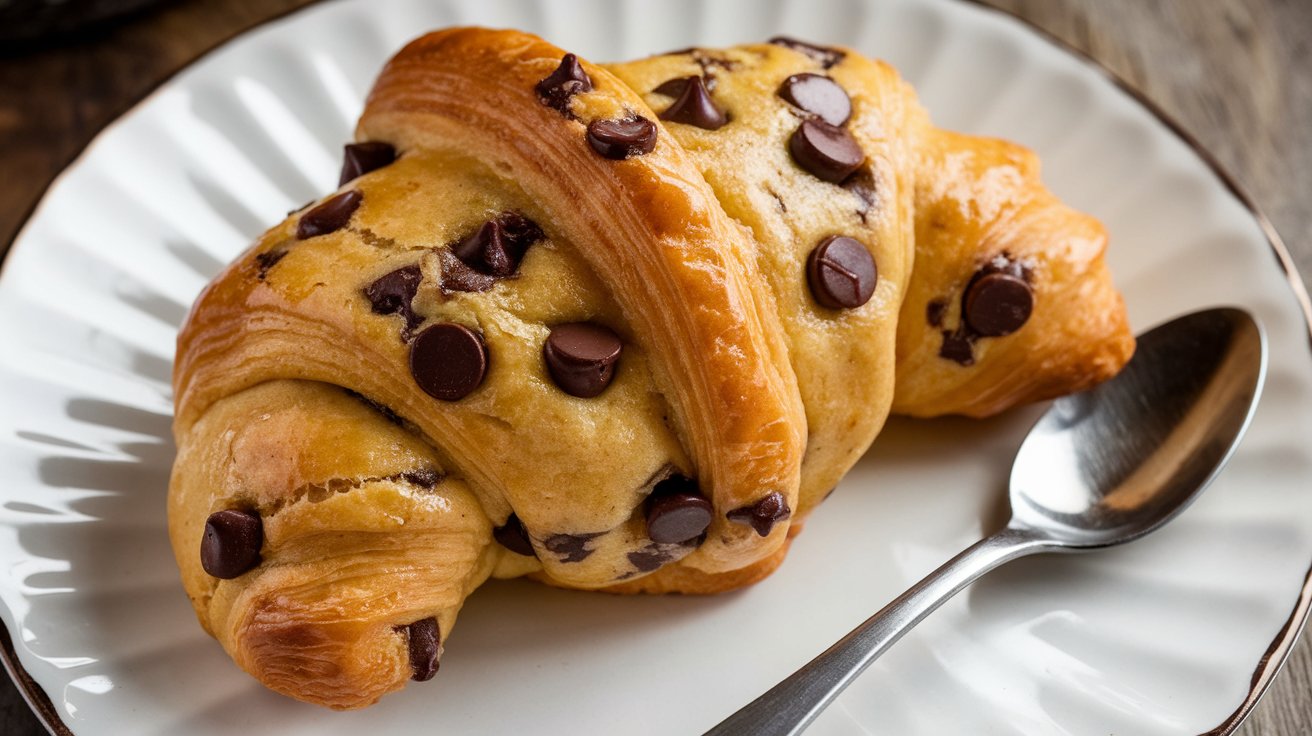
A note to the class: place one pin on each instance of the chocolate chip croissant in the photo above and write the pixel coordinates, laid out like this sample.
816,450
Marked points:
613,327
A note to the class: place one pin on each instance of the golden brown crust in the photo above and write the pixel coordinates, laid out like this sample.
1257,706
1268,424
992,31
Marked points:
843,359
653,232
732,373
980,199
353,548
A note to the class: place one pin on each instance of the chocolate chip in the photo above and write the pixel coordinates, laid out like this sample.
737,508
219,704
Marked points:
649,558
231,543
394,293
677,517
957,347
998,304
457,276
581,357
818,95
513,536
763,514
266,260
359,159
425,478
448,361
571,547
694,106
673,87
623,138
568,80
841,273
498,245
425,640
823,54
827,151
330,216
486,251
935,310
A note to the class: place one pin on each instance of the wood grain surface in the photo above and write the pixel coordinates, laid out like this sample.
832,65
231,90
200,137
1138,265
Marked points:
1237,74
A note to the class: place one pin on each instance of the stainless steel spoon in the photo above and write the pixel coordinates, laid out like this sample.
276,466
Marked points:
1098,469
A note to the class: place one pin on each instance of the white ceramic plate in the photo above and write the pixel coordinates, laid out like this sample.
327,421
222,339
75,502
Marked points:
1174,634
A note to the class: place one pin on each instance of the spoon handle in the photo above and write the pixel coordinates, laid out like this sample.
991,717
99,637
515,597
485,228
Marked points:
789,707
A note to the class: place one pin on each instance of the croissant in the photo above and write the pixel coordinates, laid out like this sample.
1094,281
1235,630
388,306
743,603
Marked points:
613,327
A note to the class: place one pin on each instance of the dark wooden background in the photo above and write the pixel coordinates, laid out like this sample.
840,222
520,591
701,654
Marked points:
1235,73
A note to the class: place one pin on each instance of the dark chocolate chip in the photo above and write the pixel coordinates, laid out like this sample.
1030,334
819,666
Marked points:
520,229
694,106
623,138
827,151
998,304
649,558
513,536
425,639
394,293
426,478
231,543
359,159
448,361
677,517
763,514
581,357
485,251
823,54
267,260
567,80
457,276
571,547
841,272
330,216
957,347
498,245
673,87
935,310
818,95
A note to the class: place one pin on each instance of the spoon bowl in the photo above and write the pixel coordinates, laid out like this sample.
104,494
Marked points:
1098,469
1109,465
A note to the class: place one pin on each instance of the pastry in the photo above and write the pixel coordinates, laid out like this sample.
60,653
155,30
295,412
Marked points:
614,327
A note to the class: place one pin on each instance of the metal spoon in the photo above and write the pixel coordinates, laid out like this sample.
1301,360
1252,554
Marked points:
1098,469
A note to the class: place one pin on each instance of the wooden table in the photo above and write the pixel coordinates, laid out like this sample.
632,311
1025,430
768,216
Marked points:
1236,73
